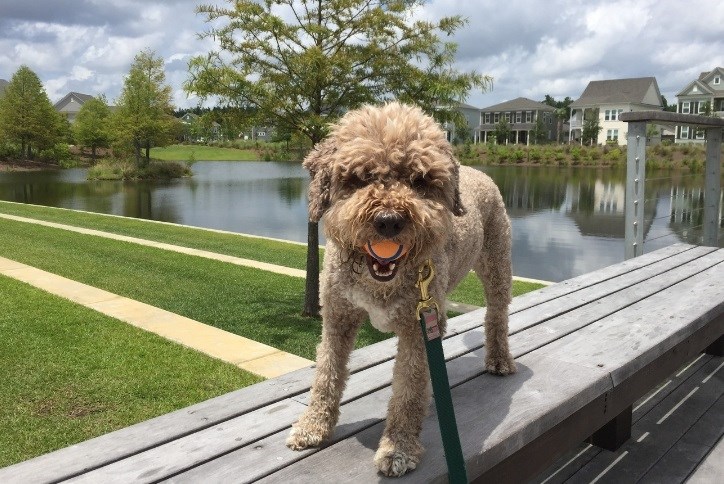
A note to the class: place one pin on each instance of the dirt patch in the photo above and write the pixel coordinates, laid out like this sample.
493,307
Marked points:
25,165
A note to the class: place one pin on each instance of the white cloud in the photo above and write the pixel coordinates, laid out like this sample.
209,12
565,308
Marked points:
531,48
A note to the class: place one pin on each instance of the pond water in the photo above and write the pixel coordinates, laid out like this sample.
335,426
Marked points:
565,221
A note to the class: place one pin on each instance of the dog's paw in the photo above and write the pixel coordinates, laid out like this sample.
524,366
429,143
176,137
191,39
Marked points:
302,437
396,460
500,365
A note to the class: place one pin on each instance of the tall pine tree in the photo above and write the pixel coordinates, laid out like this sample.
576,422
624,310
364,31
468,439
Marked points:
28,120
143,117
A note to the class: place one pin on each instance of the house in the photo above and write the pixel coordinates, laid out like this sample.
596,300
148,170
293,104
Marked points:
521,114
258,133
704,95
607,99
3,85
472,118
71,103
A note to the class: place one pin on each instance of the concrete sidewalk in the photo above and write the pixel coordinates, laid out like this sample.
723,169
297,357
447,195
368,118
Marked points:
287,271
249,355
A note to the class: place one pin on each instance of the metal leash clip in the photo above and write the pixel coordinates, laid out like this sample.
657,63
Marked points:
427,308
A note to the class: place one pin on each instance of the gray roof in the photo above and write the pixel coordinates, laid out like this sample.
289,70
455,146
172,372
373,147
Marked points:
519,104
82,98
613,91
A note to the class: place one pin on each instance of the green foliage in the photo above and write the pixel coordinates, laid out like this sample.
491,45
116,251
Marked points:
591,128
124,170
300,75
502,131
28,120
91,128
143,118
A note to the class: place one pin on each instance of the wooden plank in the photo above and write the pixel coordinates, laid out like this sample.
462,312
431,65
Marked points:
194,449
643,455
642,331
527,461
542,393
711,468
572,461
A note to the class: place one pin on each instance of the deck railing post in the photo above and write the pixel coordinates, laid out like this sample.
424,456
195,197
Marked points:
712,187
635,175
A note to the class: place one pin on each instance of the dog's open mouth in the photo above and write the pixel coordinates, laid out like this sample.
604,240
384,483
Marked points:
384,259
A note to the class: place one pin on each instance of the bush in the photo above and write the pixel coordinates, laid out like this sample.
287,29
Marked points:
58,154
127,170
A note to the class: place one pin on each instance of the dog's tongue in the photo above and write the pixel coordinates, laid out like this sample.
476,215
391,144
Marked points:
385,251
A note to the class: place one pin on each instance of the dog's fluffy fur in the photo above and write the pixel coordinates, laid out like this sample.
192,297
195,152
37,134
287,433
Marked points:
395,161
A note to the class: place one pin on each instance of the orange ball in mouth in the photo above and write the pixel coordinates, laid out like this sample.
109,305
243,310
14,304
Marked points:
386,250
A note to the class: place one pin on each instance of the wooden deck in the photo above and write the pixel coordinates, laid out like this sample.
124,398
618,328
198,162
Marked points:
587,349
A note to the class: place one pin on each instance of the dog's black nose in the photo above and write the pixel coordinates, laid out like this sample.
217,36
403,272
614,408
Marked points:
389,224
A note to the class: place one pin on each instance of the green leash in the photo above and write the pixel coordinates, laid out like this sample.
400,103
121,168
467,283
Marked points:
427,313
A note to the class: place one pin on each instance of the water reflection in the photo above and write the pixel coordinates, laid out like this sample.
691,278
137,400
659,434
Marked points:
565,221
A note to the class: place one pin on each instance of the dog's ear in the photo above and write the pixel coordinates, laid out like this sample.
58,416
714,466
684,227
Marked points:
319,164
457,206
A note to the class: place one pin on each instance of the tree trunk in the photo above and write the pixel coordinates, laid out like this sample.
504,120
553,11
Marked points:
148,152
137,149
311,296
93,155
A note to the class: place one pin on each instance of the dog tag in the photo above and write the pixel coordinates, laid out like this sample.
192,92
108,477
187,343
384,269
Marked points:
432,330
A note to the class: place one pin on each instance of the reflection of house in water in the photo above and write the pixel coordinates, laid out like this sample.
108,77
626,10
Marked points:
526,195
598,211
686,213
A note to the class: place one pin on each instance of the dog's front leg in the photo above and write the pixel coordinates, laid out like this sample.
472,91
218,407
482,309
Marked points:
400,449
340,322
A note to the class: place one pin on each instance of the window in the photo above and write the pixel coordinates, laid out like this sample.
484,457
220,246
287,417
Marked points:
612,114
487,118
496,117
684,132
507,117
717,80
685,109
529,116
612,134
699,133
518,117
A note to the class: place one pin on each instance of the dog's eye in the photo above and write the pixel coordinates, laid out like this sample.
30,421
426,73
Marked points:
355,181
419,183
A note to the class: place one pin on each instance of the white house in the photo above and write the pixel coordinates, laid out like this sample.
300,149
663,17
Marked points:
704,95
609,99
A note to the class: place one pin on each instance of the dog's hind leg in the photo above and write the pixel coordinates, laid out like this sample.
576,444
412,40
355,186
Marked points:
495,272
339,331
400,450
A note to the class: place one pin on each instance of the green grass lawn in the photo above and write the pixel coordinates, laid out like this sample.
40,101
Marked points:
263,250
71,373
252,303
203,153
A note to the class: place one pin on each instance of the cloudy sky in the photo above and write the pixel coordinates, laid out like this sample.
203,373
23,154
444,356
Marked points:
531,48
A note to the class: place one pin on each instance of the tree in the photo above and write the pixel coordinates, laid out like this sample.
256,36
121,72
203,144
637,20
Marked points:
91,125
538,133
27,117
591,128
144,115
331,57
502,131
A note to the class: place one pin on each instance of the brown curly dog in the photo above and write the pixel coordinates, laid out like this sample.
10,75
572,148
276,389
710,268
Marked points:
393,195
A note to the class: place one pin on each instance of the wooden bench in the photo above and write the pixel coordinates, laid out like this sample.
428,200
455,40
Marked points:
586,348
